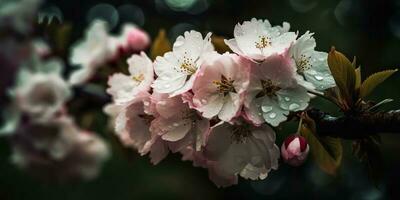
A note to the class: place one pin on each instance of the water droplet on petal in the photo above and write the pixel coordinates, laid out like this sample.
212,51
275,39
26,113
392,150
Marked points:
294,106
266,108
319,78
272,115
146,103
175,124
260,114
287,99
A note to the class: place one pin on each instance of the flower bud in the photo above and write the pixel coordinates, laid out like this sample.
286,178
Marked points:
294,150
136,39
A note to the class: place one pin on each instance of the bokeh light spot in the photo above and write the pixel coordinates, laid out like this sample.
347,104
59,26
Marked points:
180,5
132,14
105,12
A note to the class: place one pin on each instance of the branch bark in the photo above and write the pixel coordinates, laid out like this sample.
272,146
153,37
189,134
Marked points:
357,126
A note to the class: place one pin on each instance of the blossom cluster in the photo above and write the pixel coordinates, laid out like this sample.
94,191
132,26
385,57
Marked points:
44,138
218,110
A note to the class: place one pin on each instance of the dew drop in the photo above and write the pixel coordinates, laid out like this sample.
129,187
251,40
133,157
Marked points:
266,108
287,99
319,78
293,106
146,103
272,115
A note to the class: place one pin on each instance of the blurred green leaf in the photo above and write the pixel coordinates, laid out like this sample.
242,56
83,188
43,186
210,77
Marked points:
219,44
161,45
327,152
343,72
373,81
368,152
358,78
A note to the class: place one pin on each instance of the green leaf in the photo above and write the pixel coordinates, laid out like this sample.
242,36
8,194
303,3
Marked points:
327,151
358,78
161,45
373,81
368,152
343,72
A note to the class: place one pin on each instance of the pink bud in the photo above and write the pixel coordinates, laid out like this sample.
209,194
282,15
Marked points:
136,39
295,150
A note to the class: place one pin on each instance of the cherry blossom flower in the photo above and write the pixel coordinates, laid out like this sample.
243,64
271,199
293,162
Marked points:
177,70
41,92
295,150
312,64
274,91
178,124
220,86
123,87
240,149
132,126
90,53
257,39
58,150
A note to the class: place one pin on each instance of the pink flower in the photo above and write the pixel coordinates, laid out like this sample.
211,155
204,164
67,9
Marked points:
240,149
177,124
220,86
132,126
124,88
295,150
274,91
133,122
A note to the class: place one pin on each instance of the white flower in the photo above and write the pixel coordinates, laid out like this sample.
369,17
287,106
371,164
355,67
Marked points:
177,70
43,92
241,149
123,87
93,51
312,64
18,13
257,39
274,91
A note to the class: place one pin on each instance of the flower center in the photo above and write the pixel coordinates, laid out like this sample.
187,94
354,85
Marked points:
187,66
303,63
240,133
146,118
43,94
268,88
138,78
263,42
225,85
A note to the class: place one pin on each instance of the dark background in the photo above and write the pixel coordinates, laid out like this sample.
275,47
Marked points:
367,29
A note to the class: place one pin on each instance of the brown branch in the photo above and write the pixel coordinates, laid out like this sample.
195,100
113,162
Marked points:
357,126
